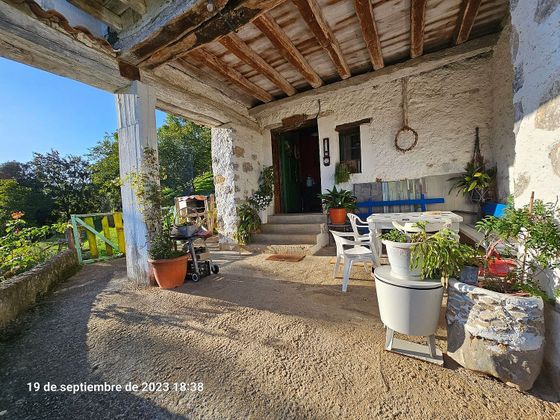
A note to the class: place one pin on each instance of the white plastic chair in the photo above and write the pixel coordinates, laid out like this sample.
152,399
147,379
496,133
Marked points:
352,251
356,224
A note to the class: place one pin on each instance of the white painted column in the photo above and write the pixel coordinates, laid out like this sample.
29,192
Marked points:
137,130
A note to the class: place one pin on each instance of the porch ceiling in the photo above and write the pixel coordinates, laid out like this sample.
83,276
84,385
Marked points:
220,63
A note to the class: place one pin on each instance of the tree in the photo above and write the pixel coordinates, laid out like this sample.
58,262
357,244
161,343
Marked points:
105,171
184,153
67,181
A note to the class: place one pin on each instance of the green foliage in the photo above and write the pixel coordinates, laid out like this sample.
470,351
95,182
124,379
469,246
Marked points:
475,178
341,173
22,247
249,222
395,235
105,172
338,199
204,184
532,234
441,255
161,246
248,212
66,180
184,153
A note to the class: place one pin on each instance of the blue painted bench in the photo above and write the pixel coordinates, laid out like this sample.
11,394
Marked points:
423,202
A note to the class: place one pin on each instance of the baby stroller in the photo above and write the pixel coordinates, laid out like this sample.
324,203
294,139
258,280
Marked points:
192,213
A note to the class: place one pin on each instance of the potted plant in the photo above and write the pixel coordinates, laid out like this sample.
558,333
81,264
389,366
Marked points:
169,265
475,181
498,328
441,255
399,247
338,203
341,173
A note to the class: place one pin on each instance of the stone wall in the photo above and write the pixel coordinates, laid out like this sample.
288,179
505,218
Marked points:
237,162
20,293
536,97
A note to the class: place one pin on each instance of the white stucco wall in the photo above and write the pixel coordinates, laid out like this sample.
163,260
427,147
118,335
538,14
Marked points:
445,107
536,96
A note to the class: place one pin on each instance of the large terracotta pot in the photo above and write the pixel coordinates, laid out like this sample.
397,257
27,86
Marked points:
338,216
171,273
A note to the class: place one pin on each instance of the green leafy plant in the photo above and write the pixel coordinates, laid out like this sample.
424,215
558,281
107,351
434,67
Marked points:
395,235
22,247
162,246
204,184
341,173
475,179
531,234
441,255
338,199
248,211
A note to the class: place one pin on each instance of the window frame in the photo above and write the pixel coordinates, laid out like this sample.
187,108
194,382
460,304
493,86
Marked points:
346,135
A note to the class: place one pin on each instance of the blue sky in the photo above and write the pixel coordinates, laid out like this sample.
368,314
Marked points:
40,111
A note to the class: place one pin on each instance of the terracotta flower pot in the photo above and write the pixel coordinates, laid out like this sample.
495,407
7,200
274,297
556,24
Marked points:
338,216
170,273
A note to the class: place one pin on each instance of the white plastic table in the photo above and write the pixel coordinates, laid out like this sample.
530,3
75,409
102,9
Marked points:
385,220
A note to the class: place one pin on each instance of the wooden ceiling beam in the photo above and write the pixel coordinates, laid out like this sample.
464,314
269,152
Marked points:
364,11
137,5
99,12
238,47
231,74
190,31
417,16
311,13
268,26
467,16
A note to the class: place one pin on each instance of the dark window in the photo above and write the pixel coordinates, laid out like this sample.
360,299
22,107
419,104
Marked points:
351,149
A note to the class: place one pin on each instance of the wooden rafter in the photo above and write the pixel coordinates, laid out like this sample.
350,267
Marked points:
417,15
196,28
311,13
231,74
238,47
99,12
364,11
467,16
268,26
137,5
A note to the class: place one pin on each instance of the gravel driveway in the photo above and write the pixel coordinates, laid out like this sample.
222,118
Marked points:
265,339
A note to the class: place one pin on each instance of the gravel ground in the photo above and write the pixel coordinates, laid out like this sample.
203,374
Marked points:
267,340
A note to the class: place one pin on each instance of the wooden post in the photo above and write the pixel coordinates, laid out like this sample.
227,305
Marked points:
92,240
117,217
107,233
137,131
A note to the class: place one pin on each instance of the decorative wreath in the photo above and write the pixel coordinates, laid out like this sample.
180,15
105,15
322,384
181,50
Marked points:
405,128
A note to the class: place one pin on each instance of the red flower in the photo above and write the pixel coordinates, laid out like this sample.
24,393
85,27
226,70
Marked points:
17,215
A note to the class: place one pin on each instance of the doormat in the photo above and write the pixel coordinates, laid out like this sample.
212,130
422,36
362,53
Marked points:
286,257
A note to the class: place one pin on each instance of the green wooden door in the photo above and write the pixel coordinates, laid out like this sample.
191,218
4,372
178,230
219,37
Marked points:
289,174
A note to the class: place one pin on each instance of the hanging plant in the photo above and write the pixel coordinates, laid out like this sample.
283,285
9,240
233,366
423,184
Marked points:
341,173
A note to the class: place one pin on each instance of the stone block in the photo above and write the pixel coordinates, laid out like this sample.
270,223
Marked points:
239,151
497,334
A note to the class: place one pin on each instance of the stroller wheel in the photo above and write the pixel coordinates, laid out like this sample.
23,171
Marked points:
195,277
215,269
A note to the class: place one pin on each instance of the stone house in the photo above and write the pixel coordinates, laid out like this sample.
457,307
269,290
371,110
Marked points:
290,83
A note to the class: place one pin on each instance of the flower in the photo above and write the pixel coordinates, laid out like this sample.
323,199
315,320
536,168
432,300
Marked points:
17,215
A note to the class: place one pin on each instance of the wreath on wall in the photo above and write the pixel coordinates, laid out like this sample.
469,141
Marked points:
406,138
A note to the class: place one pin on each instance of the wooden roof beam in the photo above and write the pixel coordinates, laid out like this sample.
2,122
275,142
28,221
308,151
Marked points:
231,74
238,47
364,11
311,13
268,26
467,16
137,5
417,16
99,12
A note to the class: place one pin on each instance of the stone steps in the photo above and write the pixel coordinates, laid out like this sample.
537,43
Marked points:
298,218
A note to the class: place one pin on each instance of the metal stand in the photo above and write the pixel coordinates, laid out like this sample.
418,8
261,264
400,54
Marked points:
415,350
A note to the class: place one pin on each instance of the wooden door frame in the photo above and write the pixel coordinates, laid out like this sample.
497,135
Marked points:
274,134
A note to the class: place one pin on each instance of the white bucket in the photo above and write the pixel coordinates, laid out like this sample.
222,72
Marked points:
399,259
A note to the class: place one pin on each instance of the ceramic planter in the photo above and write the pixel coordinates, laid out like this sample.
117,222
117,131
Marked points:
408,306
496,333
398,254
170,273
337,216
